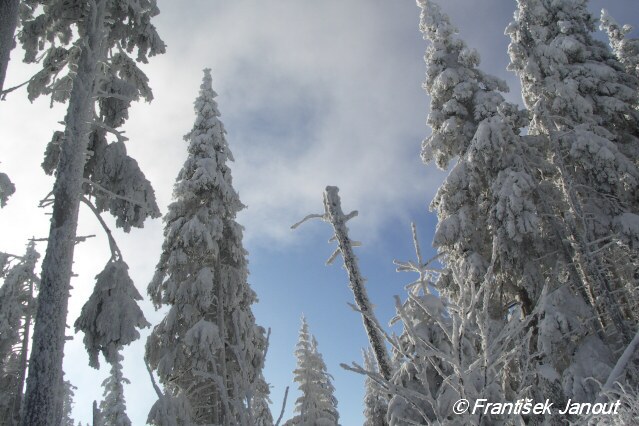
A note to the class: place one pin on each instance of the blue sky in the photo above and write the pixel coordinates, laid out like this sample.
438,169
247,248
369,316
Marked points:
312,94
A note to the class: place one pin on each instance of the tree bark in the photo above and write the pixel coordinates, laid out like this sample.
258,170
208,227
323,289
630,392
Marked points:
8,23
45,367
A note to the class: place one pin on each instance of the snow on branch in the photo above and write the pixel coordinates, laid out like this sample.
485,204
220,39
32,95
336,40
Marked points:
111,316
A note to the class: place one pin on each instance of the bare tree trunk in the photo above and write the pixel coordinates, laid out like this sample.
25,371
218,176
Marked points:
45,368
8,24
337,218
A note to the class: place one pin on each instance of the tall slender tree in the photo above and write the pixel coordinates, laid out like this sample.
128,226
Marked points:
17,305
208,346
317,405
101,69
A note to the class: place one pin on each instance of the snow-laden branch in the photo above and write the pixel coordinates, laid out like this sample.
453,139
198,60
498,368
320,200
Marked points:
116,196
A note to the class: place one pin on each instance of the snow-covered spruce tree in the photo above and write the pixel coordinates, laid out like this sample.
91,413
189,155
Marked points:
485,204
208,346
317,405
490,235
113,407
585,106
375,397
17,305
626,50
101,68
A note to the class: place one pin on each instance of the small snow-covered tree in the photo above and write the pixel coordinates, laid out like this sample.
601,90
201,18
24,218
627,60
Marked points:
260,405
98,67
113,407
208,347
626,49
17,305
317,405
375,397
7,188
66,405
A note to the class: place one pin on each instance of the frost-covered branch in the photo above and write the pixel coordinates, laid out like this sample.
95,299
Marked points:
117,133
116,254
279,419
116,196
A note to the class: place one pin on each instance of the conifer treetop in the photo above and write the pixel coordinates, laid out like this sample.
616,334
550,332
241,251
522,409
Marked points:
461,94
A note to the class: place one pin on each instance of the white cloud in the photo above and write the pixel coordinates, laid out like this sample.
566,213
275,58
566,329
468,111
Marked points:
309,99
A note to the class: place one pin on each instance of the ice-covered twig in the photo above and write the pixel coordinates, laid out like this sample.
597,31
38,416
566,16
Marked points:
116,254
309,217
82,238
